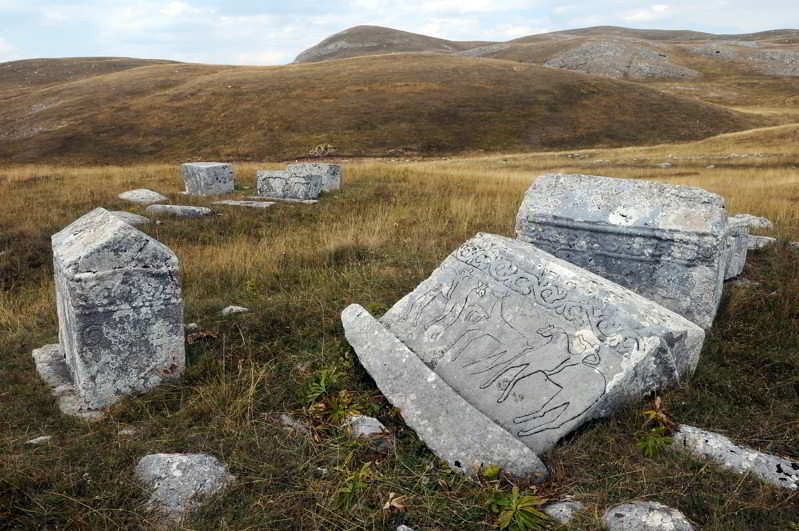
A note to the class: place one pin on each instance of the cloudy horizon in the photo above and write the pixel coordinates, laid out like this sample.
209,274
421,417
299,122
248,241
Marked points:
243,32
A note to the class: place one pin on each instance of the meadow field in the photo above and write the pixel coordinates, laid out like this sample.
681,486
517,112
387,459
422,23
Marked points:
296,267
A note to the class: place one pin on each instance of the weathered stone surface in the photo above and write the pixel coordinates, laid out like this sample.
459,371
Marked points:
452,428
230,310
330,173
776,470
363,426
180,482
663,241
645,516
120,309
760,242
287,185
538,344
563,512
130,218
286,200
143,196
40,440
252,204
753,222
51,365
207,178
178,210
737,247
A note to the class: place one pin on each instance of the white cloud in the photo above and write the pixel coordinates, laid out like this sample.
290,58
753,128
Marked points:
267,57
7,51
654,12
464,6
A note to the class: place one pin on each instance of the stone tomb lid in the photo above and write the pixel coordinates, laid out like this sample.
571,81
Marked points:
538,344
625,202
206,164
91,244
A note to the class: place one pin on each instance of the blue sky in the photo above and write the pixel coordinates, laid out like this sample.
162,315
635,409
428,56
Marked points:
268,33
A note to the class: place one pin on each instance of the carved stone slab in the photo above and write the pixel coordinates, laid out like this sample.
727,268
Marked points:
330,173
282,184
538,344
452,428
120,310
737,247
207,178
665,242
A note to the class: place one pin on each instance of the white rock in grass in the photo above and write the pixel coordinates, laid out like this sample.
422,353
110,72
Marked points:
40,440
363,426
645,516
404,528
181,482
178,210
251,204
230,310
760,242
130,218
778,471
142,196
562,512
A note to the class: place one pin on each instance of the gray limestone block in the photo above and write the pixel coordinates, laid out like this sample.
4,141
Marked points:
178,210
285,200
760,242
754,222
737,247
330,173
130,218
142,196
120,308
451,427
207,178
666,242
778,471
51,364
179,482
563,512
364,426
251,204
286,185
645,516
538,344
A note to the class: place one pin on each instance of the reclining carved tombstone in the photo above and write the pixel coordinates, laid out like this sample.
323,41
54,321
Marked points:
120,315
536,344
668,243
207,178
287,186
330,173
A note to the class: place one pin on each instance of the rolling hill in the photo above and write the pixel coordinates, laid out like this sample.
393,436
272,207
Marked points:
419,103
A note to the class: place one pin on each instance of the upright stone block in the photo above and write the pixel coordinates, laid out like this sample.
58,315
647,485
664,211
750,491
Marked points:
283,184
737,247
538,344
666,242
207,178
330,173
120,309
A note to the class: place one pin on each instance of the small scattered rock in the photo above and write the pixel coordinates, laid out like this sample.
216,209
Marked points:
665,165
710,166
179,210
645,516
40,440
180,481
191,327
142,196
772,469
759,242
564,511
127,431
292,424
230,310
363,426
404,527
130,218
794,244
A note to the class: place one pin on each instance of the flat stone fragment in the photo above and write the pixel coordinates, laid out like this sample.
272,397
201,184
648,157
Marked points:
778,471
537,344
452,428
283,184
668,243
142,196
40,440
130,218
178,210
207,178
754,222
330,173
563,512
230,310
180,482
645,516
363,426
252,204
120,311
284,200
51,365
760,242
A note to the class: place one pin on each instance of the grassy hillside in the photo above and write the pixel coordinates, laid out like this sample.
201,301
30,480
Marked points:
419,103
297,267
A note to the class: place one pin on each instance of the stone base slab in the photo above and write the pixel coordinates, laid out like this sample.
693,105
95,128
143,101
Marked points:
284,200
52,367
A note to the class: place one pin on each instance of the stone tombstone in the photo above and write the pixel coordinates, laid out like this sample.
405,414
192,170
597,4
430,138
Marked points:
120,310
538,344
666,242
282,184
737,247
330,173
208,178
